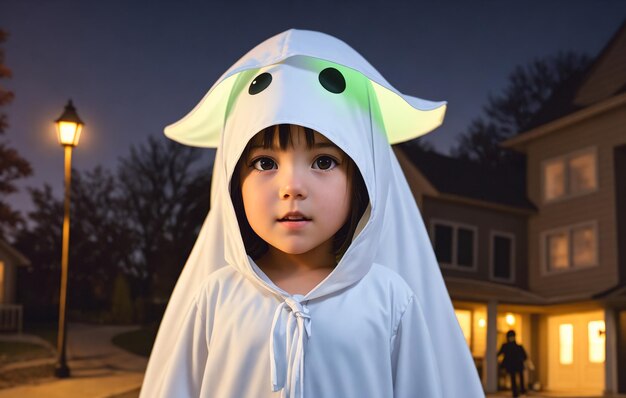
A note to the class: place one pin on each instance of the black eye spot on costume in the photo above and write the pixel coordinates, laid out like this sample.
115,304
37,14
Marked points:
332,80
260,83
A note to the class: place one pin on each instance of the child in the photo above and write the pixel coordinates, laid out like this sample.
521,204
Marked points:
313,275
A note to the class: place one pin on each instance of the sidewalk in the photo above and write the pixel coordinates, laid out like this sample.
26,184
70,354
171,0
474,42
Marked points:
98,368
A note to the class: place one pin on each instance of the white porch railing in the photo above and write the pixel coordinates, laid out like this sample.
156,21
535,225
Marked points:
11,318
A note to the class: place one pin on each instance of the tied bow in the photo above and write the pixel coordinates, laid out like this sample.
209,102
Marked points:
287,346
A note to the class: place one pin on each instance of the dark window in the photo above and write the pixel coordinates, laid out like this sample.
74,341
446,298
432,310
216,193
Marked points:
443,243
502,247
465,248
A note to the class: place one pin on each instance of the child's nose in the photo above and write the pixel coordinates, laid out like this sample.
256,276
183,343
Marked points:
292,185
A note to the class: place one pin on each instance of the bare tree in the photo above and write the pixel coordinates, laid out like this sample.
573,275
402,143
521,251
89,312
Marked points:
12,165
100,242
417,145
513,111
140,222
165,199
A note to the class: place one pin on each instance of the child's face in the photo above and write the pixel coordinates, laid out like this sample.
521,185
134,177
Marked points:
296,199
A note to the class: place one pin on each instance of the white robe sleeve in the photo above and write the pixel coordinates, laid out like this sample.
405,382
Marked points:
413,361
184,372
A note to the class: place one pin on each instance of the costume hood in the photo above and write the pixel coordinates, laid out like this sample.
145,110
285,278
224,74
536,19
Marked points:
362,118
405,117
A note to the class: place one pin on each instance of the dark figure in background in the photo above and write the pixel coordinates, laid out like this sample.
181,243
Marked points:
513,362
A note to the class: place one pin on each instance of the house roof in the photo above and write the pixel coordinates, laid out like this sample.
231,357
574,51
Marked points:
616,293
481,290
13,253
468,289
464,178
603,80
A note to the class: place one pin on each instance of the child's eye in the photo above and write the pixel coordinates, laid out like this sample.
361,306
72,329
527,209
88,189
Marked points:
324,163
263,164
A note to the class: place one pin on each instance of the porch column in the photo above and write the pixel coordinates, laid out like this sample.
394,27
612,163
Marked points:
491,361
610,359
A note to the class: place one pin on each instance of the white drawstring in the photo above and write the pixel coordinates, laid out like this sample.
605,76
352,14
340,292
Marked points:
290,354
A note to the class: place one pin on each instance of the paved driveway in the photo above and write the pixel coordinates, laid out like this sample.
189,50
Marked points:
99,369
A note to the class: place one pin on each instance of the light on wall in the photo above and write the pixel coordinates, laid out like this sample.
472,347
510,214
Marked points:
510,319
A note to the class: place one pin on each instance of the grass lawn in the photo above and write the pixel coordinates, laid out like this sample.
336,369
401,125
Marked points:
30,375
13,351
138,341
47,331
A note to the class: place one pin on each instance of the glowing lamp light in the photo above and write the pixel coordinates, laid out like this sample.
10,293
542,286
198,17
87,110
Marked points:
510,319
481,323
69,126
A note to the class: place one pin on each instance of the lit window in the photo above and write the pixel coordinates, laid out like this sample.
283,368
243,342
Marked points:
582,176
584,246
570,175
555,180
596,333
465,321
566,344
558,256
571,247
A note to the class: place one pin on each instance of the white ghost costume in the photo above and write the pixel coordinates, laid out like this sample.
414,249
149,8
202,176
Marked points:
381,324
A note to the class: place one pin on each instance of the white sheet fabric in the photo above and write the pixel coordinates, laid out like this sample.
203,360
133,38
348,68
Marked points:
380,325
367,341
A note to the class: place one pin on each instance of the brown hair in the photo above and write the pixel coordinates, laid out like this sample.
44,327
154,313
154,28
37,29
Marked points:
255,246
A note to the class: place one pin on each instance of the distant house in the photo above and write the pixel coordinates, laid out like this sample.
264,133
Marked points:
10,311
477,218
542,252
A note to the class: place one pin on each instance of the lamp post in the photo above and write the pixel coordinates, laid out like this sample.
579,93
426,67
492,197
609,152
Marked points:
69,127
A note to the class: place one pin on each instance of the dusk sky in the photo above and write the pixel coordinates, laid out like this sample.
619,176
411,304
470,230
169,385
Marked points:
132,67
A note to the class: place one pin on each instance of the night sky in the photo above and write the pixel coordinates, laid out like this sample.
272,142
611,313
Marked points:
132,67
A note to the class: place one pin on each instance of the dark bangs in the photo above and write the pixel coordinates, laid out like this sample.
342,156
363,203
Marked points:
266,138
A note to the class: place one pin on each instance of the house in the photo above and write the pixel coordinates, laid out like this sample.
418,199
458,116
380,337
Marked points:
477,217
576,167
544,252
10,311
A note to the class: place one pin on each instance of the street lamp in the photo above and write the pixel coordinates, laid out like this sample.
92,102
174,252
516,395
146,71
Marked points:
69,127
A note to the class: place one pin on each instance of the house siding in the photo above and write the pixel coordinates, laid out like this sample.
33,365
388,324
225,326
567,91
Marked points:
485,221
603,133
620,200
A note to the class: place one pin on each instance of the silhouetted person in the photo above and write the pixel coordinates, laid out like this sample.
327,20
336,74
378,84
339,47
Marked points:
513,362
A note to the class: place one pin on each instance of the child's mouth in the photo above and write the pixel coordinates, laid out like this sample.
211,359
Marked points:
301,219
294,216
